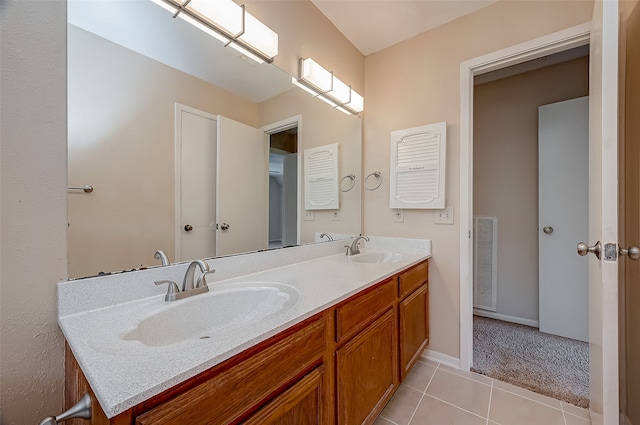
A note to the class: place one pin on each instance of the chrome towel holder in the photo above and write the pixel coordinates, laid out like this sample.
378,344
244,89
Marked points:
86,188
378,176
352,177
81,410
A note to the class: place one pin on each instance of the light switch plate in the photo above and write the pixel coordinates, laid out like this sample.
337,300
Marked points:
444,216
398,216
308,215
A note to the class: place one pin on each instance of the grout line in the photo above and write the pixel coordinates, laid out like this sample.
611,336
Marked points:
387,419
424,393
564,418
470,378
490,399
453,405
531,399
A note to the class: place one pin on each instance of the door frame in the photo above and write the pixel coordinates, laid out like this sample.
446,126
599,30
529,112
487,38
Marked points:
549,44
282,125
179,108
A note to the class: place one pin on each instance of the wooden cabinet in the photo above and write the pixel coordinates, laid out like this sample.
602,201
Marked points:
367,372
231,396
340,367
299,405
413,315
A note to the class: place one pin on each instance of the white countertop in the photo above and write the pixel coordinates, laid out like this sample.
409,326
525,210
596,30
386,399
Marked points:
123,373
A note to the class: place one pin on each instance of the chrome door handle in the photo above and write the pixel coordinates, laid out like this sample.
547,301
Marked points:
188,228
547,229
633,252
584,249
224,226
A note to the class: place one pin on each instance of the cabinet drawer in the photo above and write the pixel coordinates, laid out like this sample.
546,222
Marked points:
359,312
412,278
225,398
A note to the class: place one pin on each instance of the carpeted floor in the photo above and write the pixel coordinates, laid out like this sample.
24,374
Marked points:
521,355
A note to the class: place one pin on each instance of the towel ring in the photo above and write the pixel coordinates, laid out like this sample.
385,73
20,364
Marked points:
377,175
353,182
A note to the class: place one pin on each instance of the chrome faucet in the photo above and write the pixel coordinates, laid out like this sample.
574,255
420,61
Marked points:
187,283
160,255
354,248
188,287
329,237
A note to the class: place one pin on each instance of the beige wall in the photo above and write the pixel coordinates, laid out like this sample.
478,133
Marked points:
417,82
322,125
33,199
505,171
121,141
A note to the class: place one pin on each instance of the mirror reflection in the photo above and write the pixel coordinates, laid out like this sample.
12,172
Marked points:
190,147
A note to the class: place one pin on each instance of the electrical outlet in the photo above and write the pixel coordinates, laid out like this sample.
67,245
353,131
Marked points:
444,216
335,216
398,216
308,215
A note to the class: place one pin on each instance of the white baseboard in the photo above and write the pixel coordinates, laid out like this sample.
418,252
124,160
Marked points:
441,358
504,317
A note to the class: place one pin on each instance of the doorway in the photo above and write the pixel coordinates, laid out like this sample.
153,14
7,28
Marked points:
512,185
283,188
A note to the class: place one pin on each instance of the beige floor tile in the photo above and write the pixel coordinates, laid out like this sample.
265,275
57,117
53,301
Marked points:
574,420
402,405
420,376
526,393
511,409
471,375
436,412
575,410
428,361
465,393
383,421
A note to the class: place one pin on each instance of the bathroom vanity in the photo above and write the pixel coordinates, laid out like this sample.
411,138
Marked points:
335,357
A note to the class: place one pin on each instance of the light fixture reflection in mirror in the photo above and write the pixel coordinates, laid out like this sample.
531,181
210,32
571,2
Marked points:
123,88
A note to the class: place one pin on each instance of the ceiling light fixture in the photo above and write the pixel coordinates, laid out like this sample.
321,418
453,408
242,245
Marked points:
228,22
322,84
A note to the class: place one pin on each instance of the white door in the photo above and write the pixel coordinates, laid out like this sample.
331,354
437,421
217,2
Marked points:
195,184
563,200
243,188
603,213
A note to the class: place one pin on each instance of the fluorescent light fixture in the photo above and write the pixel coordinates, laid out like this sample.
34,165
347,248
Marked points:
229,23
313,78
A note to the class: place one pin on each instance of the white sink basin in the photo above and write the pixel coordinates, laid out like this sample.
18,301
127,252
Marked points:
375,257
226,306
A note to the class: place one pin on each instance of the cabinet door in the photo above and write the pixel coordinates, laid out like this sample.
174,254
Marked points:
414,327
299,405
367,372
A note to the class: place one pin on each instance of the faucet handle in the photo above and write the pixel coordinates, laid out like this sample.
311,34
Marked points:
202,281
172,289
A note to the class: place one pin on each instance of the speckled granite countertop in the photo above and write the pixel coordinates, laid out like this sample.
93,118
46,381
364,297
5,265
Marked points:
123,373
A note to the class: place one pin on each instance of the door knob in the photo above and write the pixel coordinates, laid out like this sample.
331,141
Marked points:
188,228
547,229
584,249
633,252
224,226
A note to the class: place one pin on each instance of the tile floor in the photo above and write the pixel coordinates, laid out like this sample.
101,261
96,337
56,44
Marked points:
434,394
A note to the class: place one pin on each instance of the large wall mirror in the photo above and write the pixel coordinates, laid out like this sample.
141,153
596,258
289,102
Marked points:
190,147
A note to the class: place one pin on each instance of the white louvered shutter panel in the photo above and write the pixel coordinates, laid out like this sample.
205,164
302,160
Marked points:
321,178
418,167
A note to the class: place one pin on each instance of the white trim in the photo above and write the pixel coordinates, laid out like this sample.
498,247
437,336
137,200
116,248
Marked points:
440,358
533,49
177,142
282,125
505,318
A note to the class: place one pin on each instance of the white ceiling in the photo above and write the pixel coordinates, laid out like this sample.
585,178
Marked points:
373,25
